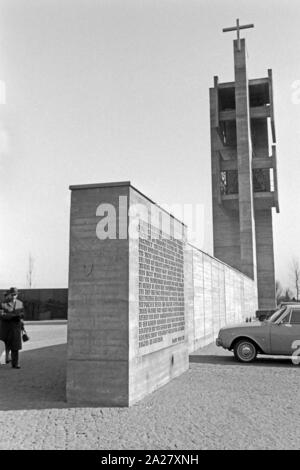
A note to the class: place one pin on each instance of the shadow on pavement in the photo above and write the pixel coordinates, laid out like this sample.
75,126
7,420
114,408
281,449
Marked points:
261,361
41,381
39,384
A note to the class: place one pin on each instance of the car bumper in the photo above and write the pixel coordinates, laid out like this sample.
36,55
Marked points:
219,342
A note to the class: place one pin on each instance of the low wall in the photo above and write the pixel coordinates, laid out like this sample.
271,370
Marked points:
43,304
216,295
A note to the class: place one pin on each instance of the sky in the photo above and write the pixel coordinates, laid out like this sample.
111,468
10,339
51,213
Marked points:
117,90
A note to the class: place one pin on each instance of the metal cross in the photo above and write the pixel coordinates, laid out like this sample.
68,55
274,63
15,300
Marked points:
237,28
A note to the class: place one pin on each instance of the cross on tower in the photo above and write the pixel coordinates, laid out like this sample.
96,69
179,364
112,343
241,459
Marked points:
237,28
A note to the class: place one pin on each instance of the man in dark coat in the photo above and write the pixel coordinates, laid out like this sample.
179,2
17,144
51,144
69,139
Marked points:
12,324
3,330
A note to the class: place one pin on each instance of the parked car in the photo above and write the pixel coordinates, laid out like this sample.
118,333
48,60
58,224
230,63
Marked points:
276,335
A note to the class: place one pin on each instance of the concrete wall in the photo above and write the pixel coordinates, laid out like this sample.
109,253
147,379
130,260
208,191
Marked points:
216,295
126,318
158,348
139,301
98,342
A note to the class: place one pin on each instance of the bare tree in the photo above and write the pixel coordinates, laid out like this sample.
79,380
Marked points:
287,295
295,269
278,292
30,271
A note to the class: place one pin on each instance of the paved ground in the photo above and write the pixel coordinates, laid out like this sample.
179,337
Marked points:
217,404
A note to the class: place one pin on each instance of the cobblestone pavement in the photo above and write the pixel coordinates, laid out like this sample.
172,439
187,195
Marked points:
216,404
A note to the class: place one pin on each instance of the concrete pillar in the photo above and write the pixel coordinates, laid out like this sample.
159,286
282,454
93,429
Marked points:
265,260
244,163
98,340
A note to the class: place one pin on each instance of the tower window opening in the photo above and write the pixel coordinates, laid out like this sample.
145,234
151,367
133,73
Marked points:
261,180
229,182
228,131
226,99
259,95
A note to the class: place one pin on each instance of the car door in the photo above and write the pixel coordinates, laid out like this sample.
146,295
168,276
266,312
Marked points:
284,334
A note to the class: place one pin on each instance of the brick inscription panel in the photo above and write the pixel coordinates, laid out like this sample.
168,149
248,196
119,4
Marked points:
161,290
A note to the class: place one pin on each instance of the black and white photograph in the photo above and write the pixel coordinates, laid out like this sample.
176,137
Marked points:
150,235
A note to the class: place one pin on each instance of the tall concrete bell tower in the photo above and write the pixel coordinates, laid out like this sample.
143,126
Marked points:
244,172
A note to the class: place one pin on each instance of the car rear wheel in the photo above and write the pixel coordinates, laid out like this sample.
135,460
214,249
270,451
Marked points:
245,351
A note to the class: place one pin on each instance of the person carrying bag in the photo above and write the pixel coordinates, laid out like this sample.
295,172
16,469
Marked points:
3,330
12,319
25,336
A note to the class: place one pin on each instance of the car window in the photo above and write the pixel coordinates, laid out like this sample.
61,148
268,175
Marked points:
277,314
286,318
295,317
